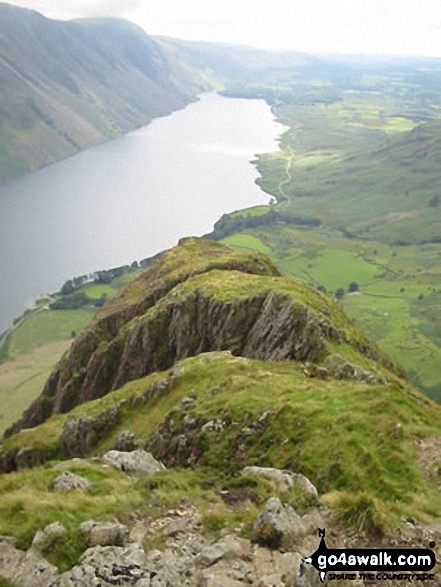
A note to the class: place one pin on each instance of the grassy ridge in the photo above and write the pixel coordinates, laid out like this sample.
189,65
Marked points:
329,430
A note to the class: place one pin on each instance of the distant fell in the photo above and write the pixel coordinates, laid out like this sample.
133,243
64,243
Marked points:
65,86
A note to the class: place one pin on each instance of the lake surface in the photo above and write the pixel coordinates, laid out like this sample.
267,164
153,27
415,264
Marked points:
130,198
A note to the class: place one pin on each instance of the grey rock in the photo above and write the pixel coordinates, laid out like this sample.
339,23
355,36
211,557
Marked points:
218,578
278,526
67,482
126,441
29,457
274,580
176,527
137,462
177,371
213,426
308,577
187,402
105,533
285,479
25,569
229,545
79,436
308,487
51,531
113,565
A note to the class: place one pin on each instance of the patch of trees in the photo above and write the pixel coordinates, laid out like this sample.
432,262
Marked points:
73,301
107,276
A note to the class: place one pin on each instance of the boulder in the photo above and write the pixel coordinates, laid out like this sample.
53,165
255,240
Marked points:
79,436
43,537
278,526
228,546
105,533
69,482
25,569
137,462
284,479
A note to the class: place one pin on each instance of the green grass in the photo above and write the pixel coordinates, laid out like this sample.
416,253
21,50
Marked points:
45,327
392,280
362,511
246,243
392,323
22,380
347,431
30,354
332,268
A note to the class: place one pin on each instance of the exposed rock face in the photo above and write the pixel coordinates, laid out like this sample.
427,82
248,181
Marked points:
137,462
67,482
231,546
82,434
279,526
126,441
198,297
29,457
26,569
113,565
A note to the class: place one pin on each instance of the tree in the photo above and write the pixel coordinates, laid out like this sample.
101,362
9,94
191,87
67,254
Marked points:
101,301
435,201
339,293
67,288
353,287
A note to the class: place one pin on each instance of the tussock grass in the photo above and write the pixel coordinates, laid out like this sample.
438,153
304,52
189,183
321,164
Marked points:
362,511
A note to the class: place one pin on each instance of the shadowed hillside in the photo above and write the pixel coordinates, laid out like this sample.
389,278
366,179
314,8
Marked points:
65,86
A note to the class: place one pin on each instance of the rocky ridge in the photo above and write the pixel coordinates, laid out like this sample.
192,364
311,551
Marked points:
201,297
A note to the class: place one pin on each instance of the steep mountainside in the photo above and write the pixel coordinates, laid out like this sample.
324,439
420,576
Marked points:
203,297
67,85
246,385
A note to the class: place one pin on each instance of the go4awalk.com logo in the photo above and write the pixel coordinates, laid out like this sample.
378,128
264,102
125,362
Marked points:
411,564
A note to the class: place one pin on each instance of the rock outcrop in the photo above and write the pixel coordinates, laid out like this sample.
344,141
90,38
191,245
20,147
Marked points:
198,297
67,482
137,462
25,569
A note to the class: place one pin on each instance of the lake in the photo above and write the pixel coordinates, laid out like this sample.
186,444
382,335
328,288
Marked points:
130,198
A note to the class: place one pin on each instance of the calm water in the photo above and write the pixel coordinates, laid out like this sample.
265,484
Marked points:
130,198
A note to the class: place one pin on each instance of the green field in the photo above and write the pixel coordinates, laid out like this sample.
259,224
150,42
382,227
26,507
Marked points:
359,200
46,327
29,355
399,299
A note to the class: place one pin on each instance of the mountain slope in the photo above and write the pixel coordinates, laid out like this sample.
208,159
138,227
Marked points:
213,361
201,297
67,85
